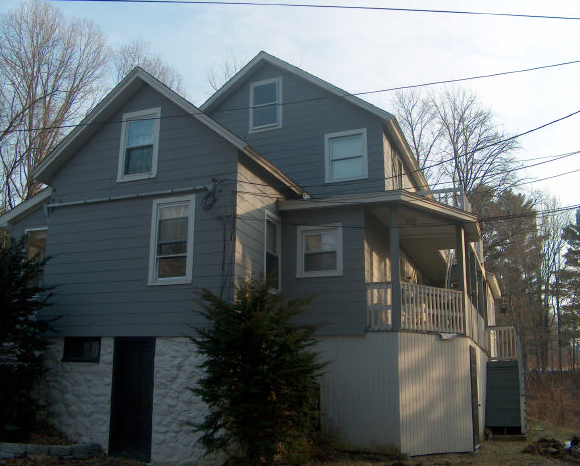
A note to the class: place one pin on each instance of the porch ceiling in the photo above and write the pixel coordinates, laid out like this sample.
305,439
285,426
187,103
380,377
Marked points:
423,236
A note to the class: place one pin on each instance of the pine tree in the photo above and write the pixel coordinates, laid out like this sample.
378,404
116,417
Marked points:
259,375
21,339
571,279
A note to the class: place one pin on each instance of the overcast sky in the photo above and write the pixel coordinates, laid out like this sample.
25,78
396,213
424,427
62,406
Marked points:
368,50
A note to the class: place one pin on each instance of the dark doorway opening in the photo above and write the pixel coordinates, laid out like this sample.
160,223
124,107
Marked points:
132,398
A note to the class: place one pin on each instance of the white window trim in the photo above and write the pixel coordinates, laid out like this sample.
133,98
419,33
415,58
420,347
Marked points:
276,125
154,113
301,232
327,165
153,279
271,216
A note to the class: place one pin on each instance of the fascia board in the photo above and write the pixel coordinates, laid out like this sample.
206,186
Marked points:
264,57
404,197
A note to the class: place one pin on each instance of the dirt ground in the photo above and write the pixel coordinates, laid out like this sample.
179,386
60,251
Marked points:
493,452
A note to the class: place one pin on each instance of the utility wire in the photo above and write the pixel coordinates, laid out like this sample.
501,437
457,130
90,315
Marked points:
345,7
345,94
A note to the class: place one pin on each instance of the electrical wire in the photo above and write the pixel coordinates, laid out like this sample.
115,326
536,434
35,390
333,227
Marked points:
345,7
316,99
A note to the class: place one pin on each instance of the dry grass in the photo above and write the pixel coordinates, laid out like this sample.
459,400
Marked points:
554,398
494,452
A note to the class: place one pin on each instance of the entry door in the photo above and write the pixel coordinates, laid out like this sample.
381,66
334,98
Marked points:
474,397
132,398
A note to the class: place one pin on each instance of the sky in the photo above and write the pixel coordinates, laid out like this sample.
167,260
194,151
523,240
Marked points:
370,50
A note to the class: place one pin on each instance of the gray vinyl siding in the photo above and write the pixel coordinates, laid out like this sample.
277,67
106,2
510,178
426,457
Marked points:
35,219
101,251
339,304
100,267
297,148
189,154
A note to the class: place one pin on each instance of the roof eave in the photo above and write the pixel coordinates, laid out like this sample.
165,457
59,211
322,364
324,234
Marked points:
23,208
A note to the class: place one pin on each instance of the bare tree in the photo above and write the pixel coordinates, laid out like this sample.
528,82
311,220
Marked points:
139,53
459,136
480,153
417,116
550,227
50,71
217,76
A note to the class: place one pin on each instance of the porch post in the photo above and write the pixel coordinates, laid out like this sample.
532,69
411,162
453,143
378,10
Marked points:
395,267
460,253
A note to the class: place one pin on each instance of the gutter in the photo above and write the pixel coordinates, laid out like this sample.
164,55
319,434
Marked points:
130,196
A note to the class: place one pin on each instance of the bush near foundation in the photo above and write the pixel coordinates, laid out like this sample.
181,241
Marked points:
259,379
21,341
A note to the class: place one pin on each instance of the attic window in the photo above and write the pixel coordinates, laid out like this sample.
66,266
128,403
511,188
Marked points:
139,145
266,105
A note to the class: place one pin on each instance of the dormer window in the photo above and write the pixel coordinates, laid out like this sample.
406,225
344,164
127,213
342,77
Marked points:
266,105
139,145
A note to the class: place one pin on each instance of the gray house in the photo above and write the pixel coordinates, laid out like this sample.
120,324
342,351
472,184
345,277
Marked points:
281,173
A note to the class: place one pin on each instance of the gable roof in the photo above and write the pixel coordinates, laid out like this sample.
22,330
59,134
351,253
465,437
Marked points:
388,119
24,208
115,99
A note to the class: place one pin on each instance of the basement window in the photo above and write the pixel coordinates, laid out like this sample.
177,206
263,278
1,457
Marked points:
82,349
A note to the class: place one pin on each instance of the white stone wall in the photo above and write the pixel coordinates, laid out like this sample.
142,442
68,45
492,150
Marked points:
174,405
78,394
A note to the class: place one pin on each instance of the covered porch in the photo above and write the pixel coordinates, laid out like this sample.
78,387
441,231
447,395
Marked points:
447,291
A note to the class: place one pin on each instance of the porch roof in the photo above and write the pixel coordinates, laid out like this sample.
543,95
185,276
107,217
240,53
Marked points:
426,227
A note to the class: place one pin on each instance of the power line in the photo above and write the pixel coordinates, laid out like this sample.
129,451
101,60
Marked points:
346,7
316,99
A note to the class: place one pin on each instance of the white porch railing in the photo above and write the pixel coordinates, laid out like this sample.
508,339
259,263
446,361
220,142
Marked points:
503,343
426,308
423,308
454,197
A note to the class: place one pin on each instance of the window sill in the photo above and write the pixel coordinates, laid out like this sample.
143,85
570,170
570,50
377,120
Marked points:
261,129
170,281
321,274
144,176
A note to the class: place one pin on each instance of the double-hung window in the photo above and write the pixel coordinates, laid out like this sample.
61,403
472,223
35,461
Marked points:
319,251
266,105
272,250
171,251
139,145
346,155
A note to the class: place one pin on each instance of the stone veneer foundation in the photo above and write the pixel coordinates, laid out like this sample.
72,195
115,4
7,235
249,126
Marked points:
78,399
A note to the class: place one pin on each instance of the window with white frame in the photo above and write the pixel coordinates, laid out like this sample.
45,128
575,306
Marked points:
272,250
266,105
319,251
139,145
346,155
171,252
